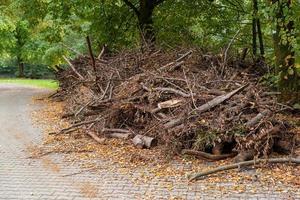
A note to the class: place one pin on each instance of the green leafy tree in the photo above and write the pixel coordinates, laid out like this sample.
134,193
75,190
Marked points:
21,34
285,17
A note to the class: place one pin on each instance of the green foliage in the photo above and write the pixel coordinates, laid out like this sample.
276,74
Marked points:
204,139
40,32
7,41
53,55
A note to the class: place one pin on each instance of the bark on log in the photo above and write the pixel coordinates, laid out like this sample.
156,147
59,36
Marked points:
138,142
218,100
124,136
201,154
211,104
143,141
255,120
117,130
246,163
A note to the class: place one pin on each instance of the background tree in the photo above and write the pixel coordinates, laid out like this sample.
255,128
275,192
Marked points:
55,27
21,34
284,44
144,14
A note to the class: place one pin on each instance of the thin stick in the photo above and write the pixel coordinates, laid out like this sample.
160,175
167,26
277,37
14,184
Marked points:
95,137
71,49
73,68
76,125
101,53
83,107
246,163
225,54
177,62
190,89
107,86
115,130
184,56
208,156
163,89
82,171
216,101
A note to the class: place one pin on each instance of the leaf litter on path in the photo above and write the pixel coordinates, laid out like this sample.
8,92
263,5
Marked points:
121,157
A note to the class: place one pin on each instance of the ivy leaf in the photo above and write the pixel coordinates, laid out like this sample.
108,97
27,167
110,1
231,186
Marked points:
291,71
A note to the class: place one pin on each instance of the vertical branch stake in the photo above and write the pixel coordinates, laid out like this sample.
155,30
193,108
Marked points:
91,53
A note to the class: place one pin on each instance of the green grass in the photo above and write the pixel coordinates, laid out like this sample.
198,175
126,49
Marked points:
41,83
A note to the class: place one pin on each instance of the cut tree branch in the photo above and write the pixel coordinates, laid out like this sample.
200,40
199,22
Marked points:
73,68
95,137
101,53
205,155
164,89
246,163
75,126
205,107
252,122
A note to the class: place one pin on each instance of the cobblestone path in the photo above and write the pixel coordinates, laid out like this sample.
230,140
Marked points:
24,178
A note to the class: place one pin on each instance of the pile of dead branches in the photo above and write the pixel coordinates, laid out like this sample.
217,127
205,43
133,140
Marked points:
185,100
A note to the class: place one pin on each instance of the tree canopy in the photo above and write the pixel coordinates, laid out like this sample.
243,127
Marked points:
43,31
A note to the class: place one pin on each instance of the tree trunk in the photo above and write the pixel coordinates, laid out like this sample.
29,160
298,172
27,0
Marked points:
254,30
260,39
146,23
21,67
284,51
144,14
254,47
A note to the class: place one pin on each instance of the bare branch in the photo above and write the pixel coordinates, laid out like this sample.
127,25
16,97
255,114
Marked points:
73,68
246,163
